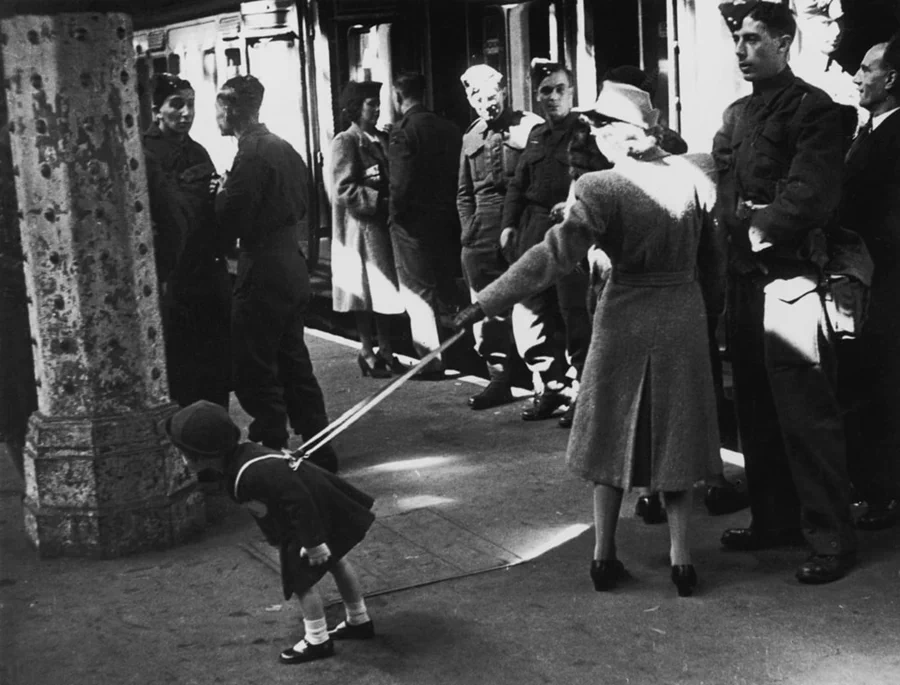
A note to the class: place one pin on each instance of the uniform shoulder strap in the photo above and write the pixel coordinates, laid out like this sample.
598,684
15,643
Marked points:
237,478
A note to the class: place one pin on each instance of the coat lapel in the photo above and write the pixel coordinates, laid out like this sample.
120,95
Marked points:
368,150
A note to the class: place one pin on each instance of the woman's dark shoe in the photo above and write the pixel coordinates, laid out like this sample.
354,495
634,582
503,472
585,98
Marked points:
685,578
376,368
650,509
606,573
307,652
397,367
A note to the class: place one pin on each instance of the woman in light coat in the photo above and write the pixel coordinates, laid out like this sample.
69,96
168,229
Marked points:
646,413
364,279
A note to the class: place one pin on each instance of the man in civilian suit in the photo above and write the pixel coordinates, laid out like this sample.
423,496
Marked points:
871,207
423,155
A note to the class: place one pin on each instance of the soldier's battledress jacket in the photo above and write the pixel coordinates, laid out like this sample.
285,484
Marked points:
541,180
782,147
294,509
178,175
490,155
266,192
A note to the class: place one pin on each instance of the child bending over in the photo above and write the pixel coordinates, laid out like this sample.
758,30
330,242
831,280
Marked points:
311,515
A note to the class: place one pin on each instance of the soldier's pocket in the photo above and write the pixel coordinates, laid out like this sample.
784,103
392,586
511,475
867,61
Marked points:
772,146
477,164
792,321
470,230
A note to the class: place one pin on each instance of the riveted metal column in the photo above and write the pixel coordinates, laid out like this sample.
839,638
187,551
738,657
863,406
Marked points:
101,480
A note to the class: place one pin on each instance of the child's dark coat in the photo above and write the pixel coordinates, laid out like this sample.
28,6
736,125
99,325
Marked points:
301,508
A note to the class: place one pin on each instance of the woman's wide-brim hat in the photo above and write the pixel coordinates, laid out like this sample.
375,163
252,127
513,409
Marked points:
359,90
624,102
203,428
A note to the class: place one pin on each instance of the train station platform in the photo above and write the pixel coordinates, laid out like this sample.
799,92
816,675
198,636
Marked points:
476,571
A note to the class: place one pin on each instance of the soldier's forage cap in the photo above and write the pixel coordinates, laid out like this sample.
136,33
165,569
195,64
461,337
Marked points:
203,428
359,90
542,68
164,84
481,76
624,102
735,11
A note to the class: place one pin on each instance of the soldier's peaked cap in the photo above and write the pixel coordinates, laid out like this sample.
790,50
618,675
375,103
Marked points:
203,428
735,11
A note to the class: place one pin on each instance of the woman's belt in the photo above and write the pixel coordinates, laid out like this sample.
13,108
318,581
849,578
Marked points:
653,279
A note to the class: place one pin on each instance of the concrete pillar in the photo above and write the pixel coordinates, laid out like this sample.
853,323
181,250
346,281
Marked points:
100,479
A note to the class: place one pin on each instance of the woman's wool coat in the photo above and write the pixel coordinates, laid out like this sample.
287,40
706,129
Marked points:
362,263
646,411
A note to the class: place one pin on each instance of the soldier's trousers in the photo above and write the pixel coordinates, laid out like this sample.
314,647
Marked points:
273,374
417,275
482,265
789,418
541,320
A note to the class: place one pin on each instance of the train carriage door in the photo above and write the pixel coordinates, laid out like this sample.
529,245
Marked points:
369,59
508,36
275,56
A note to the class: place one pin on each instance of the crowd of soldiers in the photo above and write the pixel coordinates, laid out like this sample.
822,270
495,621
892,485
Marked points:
807,207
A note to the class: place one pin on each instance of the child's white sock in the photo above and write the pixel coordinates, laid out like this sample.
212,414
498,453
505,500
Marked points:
356,612
316,631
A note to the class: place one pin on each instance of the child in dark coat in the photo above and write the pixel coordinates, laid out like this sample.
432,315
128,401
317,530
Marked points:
311,515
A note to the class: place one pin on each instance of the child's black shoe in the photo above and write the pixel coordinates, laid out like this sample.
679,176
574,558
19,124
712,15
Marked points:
307,652
348,631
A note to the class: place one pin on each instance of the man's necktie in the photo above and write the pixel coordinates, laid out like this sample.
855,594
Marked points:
864,133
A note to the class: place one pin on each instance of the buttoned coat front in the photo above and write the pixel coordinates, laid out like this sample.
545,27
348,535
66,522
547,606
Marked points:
646,412
363,274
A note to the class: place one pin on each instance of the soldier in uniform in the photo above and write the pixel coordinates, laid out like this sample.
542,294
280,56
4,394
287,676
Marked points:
422,159
260,205
491,149
540,182
779,156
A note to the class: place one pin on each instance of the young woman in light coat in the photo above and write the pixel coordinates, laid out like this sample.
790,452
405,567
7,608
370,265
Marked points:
364,279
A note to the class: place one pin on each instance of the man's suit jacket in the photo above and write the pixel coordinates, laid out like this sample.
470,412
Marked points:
870,205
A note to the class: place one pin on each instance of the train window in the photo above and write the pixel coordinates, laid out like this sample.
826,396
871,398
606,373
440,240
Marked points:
233,57
174,64
160,64
209,65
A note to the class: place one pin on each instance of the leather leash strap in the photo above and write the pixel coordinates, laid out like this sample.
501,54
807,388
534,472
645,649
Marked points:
361,408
